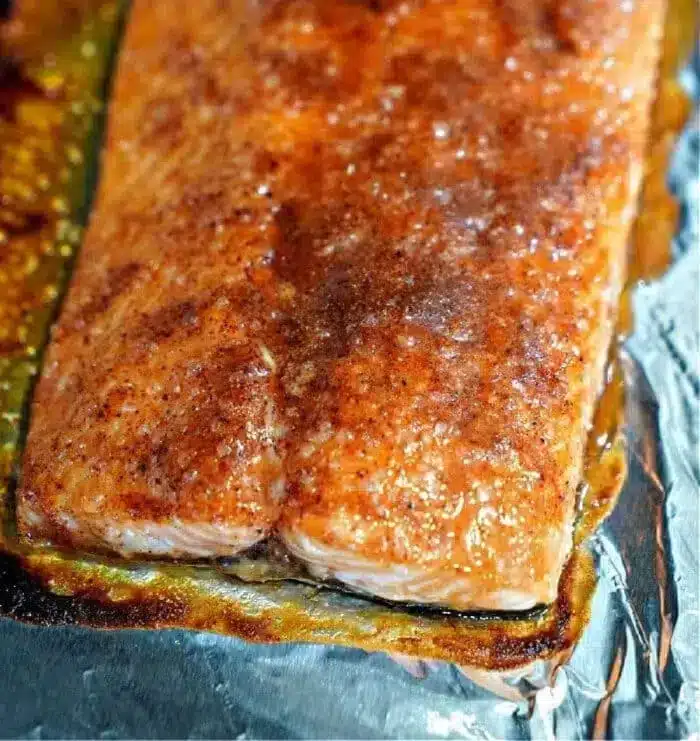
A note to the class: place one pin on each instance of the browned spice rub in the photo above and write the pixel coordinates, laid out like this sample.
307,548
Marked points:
351,278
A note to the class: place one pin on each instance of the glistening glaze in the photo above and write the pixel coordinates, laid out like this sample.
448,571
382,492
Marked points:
350,278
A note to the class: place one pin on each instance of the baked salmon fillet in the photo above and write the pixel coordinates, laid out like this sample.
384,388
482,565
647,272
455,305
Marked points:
350,283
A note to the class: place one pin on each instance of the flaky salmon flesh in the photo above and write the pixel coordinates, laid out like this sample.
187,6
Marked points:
350,283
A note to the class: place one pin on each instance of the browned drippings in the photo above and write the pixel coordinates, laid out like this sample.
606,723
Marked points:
49,99
657,220
650,255
14,86
49,587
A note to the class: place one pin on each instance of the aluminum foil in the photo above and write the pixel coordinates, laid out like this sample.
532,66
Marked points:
634,674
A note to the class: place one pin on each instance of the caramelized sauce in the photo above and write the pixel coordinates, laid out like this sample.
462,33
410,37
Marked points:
47,118
14,87
649,256
48,107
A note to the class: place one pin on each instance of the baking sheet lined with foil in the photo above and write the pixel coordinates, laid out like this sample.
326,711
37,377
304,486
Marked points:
633,675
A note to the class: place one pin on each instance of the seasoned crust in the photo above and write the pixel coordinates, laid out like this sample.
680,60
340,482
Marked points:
397,229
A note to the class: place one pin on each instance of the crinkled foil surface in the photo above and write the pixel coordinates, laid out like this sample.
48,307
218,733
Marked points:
634,674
